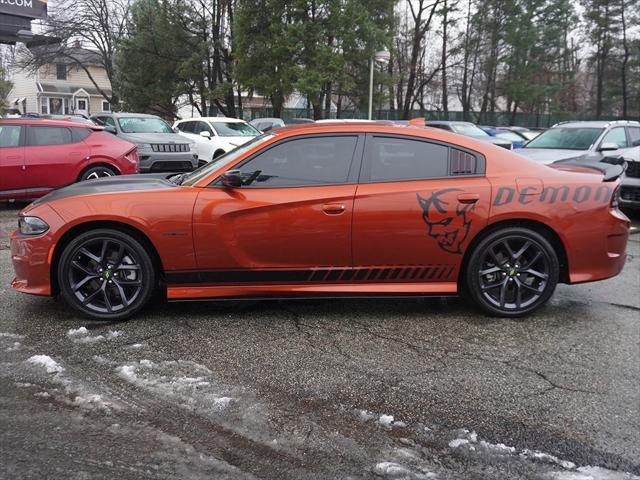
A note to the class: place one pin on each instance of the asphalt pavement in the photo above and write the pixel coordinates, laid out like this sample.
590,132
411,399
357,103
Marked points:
349,389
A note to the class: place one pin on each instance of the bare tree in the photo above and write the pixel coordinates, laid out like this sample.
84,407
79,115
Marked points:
96,25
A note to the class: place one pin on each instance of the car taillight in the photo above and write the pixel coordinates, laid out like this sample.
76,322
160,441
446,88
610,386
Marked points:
615,198
132,156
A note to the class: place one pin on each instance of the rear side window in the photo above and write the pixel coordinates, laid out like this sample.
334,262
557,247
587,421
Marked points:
391,159
634,136
10,135
186,127
78,133
303,162
49,136
462,163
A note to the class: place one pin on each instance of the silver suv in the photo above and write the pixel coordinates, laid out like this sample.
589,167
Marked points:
591,142
160,149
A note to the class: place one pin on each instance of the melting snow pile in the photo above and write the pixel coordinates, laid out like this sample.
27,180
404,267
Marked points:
187,383
50,365
81,335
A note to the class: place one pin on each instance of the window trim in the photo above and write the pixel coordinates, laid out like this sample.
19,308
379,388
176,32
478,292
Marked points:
30,133
481,163
354,166
21,139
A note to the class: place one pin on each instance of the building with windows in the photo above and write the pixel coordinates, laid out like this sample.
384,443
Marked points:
62,87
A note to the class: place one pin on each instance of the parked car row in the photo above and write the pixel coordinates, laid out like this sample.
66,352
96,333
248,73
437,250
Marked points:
40,154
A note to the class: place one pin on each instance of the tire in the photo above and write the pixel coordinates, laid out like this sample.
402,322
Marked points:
106,275
512,272
100,171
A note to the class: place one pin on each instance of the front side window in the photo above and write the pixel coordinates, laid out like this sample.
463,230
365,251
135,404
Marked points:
634,136
566,138
202,127
617,136
10,135
49,136
391,159
303,162
235,129
109,121
144,125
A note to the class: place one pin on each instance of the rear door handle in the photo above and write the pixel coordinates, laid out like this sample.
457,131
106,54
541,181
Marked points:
468,197
333,208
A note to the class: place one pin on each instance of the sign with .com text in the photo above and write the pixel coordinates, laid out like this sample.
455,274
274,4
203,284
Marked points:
24,8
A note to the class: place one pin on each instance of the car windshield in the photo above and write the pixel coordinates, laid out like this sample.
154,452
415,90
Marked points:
226,159
234,129
566,138
512,137
144,125
469,130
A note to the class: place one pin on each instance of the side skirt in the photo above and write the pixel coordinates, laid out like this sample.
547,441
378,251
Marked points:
194,292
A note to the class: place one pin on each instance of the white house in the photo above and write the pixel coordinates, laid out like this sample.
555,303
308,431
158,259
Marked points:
61,87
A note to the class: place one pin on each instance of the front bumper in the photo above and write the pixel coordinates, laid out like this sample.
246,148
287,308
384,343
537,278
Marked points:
31,255
167,162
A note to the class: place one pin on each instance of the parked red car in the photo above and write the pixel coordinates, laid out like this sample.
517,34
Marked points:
38,156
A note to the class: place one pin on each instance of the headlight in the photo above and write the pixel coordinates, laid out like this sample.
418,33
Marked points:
144,147
32,225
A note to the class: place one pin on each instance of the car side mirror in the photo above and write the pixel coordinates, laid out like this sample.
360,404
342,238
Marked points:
175,129
111,129
232,179
205,134
608,146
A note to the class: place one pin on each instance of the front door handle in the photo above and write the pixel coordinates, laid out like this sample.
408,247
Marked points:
468,197
333,208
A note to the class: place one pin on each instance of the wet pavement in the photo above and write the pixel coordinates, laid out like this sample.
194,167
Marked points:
418,388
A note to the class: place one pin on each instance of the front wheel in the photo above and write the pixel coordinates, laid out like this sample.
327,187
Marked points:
512,272
106,274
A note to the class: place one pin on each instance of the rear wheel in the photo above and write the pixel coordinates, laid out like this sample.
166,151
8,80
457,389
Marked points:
512,272
99,171
106,275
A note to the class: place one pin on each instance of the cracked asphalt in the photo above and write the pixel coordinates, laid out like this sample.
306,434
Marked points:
410,388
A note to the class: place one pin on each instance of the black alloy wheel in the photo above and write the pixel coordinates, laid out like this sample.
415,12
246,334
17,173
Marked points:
512,272
106,275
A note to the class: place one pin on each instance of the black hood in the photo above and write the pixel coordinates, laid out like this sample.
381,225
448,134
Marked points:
151,181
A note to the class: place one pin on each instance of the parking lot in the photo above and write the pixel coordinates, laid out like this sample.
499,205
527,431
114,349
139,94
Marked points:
394,388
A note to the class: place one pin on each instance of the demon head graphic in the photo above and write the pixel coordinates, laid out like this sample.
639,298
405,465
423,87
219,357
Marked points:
449,227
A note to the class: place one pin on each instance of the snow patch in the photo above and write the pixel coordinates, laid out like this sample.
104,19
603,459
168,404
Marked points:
42,394
458,442
11,335
390,469
14,347
545,457
81,335
385,420
47,362
91,401
77,331
136,345
592,473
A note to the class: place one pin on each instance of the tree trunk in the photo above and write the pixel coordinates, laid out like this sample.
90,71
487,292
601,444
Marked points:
445,93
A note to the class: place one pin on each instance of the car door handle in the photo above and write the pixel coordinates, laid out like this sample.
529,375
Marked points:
333,208
468,197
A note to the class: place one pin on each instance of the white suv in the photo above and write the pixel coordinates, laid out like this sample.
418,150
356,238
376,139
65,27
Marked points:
215,136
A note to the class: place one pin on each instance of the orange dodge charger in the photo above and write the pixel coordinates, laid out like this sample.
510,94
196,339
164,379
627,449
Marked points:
328,210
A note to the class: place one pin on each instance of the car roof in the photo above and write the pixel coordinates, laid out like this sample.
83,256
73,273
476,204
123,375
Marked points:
48,122
597,124
267,119
125,114
214,119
